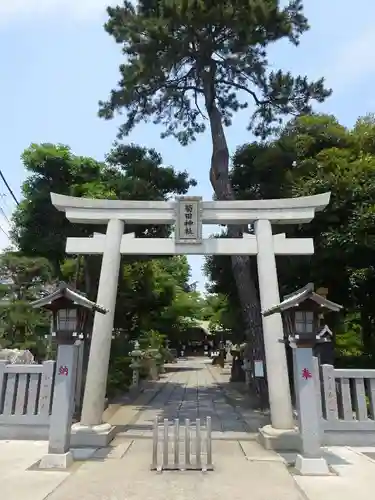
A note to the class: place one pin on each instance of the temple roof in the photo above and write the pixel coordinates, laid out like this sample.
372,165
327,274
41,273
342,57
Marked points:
65,291
295,299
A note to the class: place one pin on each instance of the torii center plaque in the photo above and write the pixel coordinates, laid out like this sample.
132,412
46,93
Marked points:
188,228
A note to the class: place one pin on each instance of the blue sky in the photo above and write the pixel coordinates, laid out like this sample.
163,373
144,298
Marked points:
57,62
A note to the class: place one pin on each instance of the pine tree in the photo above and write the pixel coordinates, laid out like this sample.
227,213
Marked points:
189,63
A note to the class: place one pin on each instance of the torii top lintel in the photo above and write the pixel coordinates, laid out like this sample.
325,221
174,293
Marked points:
279,211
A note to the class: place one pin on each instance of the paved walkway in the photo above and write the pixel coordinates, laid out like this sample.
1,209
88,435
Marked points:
242,467
194,389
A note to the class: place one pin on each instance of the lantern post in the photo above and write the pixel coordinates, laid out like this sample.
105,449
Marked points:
69,313
310,460
302,314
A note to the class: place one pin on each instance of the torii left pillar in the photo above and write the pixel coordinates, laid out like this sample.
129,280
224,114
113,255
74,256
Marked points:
91,431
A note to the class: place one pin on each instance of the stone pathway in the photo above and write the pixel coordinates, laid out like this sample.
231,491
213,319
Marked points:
242,468
190,391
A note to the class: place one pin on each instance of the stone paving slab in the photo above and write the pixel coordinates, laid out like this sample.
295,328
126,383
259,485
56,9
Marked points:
19,483
191,392
130,478
126,412
254,452
122,473
240,400
354,480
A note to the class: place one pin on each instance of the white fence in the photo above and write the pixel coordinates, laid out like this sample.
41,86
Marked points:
346,400
26,393
25,400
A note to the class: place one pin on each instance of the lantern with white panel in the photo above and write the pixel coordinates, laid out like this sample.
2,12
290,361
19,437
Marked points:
303,316
69,312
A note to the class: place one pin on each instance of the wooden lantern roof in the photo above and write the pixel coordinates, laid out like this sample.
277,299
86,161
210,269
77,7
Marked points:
306,293
66,293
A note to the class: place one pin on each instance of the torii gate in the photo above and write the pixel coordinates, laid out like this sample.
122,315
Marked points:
187,214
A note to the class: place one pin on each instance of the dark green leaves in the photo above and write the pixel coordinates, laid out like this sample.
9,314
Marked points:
130,172
23,279
315,154
168,45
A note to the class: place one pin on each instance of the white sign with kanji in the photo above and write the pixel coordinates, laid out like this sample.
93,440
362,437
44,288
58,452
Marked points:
188,220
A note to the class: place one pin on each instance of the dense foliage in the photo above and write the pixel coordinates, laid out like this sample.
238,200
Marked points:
314,154
22,280
153,294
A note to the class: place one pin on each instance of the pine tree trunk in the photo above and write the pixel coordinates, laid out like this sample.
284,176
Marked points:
247,293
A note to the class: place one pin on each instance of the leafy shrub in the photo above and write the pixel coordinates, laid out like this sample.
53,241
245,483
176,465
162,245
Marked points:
151,340
119,371
119,375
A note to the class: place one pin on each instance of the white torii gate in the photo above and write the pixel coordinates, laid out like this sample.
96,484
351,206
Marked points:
187,214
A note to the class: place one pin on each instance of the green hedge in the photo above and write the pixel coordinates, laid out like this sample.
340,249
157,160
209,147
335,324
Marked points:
119,375
363,361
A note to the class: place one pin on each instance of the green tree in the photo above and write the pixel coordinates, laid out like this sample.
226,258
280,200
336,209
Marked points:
130,172
344,234
192,61
163,299
147,287
218,311
23,279
312,155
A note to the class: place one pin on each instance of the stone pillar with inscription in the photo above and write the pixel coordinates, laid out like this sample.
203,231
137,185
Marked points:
59,455
310,460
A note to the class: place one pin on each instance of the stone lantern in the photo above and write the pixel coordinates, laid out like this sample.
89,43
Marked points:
69,311
136,363
303,317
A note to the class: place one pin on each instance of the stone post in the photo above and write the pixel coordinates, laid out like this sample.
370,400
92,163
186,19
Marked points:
153,373
277,369
91,429
59,455
136,363
310,461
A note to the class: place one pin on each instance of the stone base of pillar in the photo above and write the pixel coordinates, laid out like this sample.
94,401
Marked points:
96,436
57,461
279,439
312,466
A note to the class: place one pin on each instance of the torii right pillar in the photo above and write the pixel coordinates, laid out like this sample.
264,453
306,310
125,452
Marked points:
282,434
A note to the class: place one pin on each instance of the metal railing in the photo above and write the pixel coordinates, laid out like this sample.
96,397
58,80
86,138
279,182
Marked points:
187,450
